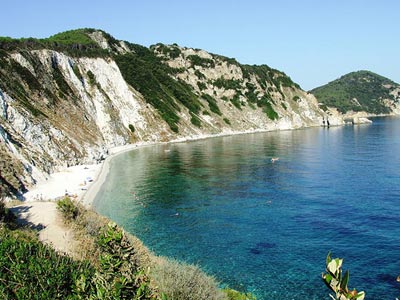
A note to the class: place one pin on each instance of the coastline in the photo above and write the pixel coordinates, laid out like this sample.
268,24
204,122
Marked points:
88,196
83,182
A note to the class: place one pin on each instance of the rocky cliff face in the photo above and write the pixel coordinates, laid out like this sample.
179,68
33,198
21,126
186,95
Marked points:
64,103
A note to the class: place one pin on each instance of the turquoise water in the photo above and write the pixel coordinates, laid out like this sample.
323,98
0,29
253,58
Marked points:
267,227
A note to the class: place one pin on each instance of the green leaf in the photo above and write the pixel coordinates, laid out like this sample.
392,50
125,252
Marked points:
327,278
345,281
328,258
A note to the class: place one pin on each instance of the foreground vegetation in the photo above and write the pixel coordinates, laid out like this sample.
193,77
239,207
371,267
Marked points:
110,264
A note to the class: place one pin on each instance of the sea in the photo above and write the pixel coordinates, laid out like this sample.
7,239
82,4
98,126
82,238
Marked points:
266,227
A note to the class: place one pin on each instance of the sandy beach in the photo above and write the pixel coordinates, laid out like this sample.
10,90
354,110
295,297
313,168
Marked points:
73,181
81,182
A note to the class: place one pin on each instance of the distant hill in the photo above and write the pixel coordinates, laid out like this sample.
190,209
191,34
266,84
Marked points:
360,91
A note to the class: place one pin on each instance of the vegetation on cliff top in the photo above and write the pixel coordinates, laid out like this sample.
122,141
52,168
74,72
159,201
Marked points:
74,42
357,91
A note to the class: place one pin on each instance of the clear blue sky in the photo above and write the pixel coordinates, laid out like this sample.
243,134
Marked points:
313,41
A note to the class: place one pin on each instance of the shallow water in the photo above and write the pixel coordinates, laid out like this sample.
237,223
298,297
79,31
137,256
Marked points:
267,227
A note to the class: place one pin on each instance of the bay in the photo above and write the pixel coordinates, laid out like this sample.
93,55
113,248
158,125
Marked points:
267,227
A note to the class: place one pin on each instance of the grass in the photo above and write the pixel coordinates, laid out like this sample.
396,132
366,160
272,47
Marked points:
73,37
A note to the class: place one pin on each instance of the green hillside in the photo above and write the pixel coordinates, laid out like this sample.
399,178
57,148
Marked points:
359,91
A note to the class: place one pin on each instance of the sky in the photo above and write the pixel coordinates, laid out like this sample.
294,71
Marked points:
312,41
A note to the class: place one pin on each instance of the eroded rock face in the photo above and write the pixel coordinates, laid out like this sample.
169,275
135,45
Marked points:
57,110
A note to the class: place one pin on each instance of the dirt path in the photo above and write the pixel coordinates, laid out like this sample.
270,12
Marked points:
44,217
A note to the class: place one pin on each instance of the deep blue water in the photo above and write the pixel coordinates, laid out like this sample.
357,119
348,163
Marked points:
267,227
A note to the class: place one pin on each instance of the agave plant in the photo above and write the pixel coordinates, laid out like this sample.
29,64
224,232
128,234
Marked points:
336,282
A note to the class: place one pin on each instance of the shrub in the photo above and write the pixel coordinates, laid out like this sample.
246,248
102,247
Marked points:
265,103
16,82
199,61
172,51
202,86
61,82
199,74
224,98
68,208
212,103
226,120
236,101
116,279
227,84
77,72
5,214
92,78
195,120
285,81
31,270
236,295
271,113
185,282
131,128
